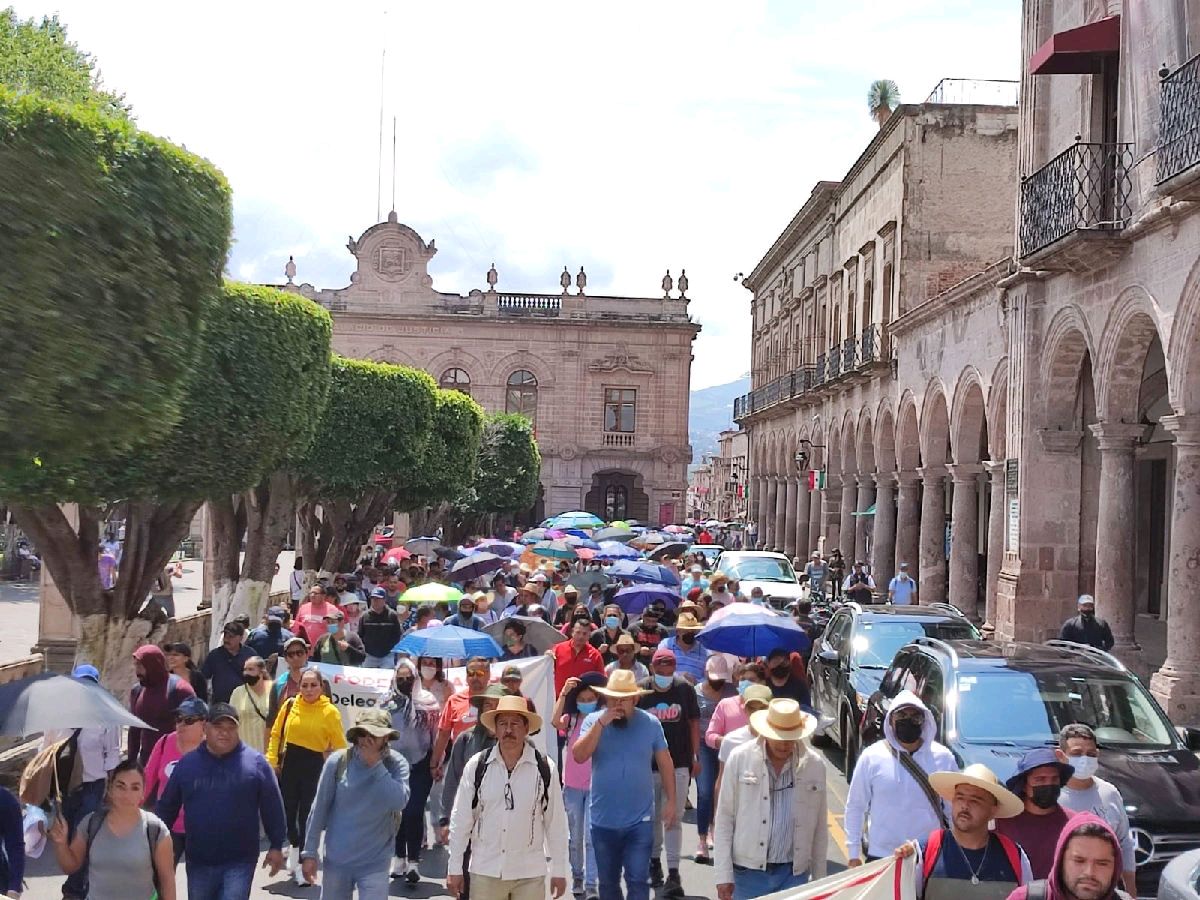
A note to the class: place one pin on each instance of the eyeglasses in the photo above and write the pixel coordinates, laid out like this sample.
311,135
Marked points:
188,720
476,673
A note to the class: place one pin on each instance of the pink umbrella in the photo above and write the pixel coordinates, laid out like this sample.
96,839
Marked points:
396,554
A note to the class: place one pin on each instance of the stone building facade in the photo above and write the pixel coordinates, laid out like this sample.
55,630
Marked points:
604,379
730,468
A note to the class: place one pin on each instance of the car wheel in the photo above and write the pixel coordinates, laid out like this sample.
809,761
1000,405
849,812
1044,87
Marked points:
850,747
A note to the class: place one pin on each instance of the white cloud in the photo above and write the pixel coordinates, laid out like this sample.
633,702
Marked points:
625,137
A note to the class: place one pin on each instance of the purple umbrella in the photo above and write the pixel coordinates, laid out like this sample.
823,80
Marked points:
635,598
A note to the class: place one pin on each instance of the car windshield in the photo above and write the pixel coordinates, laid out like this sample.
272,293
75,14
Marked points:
761,568
876,641
1036,705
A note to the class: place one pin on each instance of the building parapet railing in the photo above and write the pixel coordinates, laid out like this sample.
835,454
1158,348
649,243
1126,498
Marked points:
624,439
1084,188
1179,125
975,91
530,302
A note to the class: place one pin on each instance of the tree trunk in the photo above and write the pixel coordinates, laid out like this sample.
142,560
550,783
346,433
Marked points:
108,644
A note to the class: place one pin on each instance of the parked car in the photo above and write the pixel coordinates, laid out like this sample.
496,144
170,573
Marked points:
772,572
855,650
1180,879
996,700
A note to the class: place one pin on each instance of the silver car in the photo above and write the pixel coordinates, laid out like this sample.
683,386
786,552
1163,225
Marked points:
1180,880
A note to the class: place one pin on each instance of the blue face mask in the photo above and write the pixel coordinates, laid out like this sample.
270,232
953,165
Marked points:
743,684
331,627
612,622
757,601
663,681
586,708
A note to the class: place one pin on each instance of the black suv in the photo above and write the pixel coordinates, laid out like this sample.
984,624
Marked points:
996,700
849,660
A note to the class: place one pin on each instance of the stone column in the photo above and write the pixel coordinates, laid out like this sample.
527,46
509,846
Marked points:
831,513
866,496
1115,600
789,518
933,535
757,505
766,525
883,546
908,523
780,529
58,626
816,501
964,539
846,533
803,548
995,541
1177,683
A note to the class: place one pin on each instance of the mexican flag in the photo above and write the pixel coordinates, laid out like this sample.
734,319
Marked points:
816,479
886,879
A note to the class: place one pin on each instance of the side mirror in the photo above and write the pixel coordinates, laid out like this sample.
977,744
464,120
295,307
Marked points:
1191,738
828,655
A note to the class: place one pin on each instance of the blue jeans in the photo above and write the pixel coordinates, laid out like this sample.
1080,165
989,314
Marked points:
749,883
339,884
387,661
583,856
83,800
228,882
705,786
628,849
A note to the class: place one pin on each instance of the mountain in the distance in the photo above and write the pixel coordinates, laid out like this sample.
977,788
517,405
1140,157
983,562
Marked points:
711,413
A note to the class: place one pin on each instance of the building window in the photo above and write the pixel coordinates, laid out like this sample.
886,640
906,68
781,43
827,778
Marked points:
522,394
456,380
616,503
620,410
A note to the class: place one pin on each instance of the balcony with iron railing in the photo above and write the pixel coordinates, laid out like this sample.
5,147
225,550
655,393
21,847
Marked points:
1081,195
1178,148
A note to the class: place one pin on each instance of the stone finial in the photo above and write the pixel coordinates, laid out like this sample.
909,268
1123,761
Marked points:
565,280
667,284
290,269
683,284
492,277
581,280
393,218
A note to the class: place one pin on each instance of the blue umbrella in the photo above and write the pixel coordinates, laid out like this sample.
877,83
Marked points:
753,634
644,573
475,565
576,532
635,598
583,543
614,550
448,642
500,548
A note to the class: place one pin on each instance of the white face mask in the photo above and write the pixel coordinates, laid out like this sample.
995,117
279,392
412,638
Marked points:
1085,766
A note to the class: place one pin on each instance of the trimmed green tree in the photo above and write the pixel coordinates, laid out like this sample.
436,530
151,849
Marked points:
507,474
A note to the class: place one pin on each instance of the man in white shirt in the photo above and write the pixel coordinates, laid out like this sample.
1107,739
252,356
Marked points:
859,586
512,814
1084,792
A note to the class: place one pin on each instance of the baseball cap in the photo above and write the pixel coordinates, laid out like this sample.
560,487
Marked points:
335,614
192,706
662,653
276,612
220,711
235,628
758,694
295,640
379,592
511,672
86,672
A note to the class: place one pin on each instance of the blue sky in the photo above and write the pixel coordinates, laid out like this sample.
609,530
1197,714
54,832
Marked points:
626,137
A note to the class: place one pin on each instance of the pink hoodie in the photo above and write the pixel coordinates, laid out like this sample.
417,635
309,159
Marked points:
1053,883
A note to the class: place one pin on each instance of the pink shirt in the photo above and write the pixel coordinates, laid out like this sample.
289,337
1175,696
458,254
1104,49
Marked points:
310,620
161,764
728,716
575,774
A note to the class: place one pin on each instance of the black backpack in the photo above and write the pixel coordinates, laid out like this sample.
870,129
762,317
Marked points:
543,766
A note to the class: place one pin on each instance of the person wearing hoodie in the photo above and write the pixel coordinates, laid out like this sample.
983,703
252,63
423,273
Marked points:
415,715
890,784
1038,782
1087,865
154,700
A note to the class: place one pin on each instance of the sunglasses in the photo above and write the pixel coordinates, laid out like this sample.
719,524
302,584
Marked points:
188,720
476,673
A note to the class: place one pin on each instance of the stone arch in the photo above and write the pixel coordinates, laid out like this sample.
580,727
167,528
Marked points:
834,460
1067,347
885,438
935,425
849,445
1130,331
457,358
506,365
819,452
968,418
390,353
866,442
1184,348
908,434
997,405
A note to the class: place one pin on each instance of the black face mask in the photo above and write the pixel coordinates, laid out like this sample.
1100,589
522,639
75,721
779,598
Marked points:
1087,616
250,680
716,683
781,671
1045,796
404,685
688,639
908,731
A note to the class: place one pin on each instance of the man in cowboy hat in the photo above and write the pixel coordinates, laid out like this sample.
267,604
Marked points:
690,657
771,825
967,859
625,649
517,785
621,740
360,796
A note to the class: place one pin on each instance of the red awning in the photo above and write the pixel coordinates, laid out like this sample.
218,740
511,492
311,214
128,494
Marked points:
1078,51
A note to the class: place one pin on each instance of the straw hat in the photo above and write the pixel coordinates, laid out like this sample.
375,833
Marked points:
783,720
687,622
978,775
622,683
516,706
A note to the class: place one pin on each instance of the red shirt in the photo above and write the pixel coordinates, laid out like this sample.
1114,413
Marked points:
458,715
569,664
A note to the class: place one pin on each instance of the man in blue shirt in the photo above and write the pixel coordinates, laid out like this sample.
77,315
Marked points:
621,740
902,590
690,656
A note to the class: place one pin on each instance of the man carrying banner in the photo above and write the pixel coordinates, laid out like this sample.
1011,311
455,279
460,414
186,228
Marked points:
771,823
891,785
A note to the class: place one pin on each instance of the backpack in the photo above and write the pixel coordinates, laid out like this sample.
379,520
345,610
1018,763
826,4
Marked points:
343,764
543,767
154,834
53,773
933,849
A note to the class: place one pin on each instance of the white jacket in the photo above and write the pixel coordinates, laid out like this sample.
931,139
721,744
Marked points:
883,790
744,813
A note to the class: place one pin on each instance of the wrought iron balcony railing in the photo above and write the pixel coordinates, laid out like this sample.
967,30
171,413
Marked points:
1084,188
850,354
1179,124
833,363
819,370
871,346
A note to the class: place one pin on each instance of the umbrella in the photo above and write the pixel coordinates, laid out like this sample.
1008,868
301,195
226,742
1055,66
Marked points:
576,532
396,555
614,550
677,529
49,702
618,523
585,554
475,566
500,548
583,543
576,519
538,635
432,592
635,598
554,549
713,523
623,535
650,539
449,553
448,642
753,633
421,545
671,550
644,573
585,580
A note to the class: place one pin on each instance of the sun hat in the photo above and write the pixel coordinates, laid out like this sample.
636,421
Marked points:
978,775
375,722
1036,759
783,720
514,706
622,683
570,590
687,622
625,640
528,588
758,694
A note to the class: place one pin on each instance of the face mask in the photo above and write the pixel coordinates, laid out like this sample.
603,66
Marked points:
428,672
274,627
688,639
586,708
781,671
332,627
1085,766
404,685
612,622
908,731
663,681
252,680
511,640
716,683
757,601
1087,616
743,684
1045,796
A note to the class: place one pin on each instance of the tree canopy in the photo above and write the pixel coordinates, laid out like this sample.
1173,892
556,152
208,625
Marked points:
451,453
509,467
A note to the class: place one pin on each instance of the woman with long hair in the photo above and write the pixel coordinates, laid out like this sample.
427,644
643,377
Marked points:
415,714
307,729
170,748
252,700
